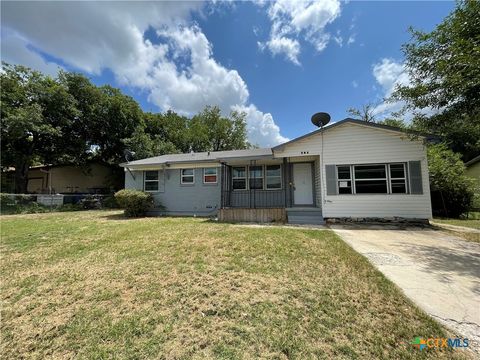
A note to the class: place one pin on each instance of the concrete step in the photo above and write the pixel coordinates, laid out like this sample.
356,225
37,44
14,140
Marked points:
305,215
306,220
311,213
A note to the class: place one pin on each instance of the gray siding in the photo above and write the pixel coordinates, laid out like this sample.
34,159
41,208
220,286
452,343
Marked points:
181,199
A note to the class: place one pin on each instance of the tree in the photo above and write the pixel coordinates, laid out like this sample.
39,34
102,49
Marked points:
366,113
37,116
210,131
444,71
452,191
393,122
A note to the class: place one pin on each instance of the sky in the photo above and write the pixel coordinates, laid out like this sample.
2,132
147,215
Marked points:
277,61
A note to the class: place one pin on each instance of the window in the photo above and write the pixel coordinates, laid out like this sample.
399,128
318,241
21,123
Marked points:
255,175
273,177
210,175
344,182
370,179
151,181
239,178
188,176
398,179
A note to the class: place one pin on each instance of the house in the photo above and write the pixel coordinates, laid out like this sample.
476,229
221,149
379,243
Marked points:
349,169
473,169
92,178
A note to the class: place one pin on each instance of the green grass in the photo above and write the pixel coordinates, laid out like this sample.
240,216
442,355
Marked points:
95,285
473,221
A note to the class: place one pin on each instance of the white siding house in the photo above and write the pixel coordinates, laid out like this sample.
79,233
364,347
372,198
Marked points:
356,143
350,169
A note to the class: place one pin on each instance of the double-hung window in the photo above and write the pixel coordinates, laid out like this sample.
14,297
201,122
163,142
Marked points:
239,178
398,179
210,175
151,181
273,179
344,177
187,176
255,175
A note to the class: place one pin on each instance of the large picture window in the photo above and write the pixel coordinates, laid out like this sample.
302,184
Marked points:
372,179
187,176
239,178
255,174
210,175
273,178
151,181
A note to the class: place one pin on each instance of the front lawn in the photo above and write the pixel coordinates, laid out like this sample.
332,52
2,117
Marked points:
92,284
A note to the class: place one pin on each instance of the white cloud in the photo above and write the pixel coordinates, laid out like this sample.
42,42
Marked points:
294,19
178,72
388,74
15,50
351,39
355,84
283,45
262,130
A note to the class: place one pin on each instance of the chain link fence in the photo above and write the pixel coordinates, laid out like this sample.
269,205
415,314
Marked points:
39,203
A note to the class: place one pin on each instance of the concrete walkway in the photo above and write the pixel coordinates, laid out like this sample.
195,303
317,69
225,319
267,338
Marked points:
439,272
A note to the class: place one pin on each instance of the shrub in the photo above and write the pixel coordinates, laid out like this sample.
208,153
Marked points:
452,190
109,202
90,202
135,203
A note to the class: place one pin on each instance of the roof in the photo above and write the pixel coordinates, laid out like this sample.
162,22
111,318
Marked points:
207,156
351,121
472,161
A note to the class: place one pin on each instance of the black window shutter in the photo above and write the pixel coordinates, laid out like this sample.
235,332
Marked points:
415,173
331,175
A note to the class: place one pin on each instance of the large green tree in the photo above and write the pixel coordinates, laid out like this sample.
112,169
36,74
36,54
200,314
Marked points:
38,116
210,131
68,119
444,71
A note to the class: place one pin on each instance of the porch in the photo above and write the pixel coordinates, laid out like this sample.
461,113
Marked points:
271,190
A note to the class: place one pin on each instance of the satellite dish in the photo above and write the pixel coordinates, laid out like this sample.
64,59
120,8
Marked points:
128,155
320,119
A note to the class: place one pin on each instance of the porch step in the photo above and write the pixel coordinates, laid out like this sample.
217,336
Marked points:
310,215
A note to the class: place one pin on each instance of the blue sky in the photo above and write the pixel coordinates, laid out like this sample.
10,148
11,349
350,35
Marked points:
278,61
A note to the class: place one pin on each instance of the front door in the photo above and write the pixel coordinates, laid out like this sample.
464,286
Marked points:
302,184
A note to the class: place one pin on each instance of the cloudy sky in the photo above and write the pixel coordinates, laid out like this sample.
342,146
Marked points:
278,61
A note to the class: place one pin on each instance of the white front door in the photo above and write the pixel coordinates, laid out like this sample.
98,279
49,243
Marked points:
302,183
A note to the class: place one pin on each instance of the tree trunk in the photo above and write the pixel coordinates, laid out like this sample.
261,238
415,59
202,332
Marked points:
21,177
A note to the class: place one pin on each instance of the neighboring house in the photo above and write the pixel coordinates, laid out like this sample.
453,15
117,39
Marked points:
349,169
92,178
473,169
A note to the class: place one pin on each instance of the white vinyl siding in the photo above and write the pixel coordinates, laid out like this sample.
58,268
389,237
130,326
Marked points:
356,144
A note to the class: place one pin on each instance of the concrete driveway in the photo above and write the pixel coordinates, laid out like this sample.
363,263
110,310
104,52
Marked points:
439,272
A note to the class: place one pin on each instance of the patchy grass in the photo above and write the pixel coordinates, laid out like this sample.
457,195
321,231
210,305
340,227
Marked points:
93,284
469,223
